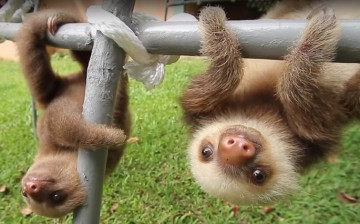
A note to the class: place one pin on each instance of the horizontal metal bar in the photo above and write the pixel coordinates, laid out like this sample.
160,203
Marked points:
268,39
80,36
75,36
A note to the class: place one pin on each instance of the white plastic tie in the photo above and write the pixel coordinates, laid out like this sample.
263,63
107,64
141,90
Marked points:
145,67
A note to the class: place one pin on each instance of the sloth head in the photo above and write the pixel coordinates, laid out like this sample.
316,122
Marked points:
52,187
243,161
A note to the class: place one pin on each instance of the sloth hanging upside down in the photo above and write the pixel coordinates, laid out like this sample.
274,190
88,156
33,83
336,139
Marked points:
52,186
256,124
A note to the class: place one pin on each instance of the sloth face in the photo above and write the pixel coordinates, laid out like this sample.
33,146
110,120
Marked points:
231,159
52,187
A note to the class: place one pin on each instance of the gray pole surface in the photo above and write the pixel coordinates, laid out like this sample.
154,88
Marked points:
265,38
104,69
268,39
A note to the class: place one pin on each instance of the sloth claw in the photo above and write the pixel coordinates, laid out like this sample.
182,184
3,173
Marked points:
56,20
52,25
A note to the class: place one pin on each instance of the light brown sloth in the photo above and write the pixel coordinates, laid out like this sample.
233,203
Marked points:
256,124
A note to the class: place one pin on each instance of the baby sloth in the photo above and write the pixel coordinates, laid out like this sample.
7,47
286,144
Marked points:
52,187
255,124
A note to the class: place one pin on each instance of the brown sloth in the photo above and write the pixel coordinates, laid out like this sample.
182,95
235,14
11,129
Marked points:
52,187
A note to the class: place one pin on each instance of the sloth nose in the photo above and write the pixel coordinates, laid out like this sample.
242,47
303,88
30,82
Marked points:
32,187
235,150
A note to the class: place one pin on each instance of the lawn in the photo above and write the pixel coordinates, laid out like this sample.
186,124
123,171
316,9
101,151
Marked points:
153,184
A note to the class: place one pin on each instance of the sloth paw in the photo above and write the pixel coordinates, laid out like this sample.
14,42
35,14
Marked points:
115,138
58,19
321,35
321,12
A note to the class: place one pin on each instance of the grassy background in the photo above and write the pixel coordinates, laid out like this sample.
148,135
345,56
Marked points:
153,184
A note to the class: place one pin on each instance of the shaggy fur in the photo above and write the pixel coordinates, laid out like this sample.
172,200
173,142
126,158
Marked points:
51,186
283,115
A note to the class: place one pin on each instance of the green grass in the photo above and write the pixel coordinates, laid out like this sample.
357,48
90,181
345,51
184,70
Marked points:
153,184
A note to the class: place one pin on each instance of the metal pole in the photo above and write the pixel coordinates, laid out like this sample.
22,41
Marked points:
8,9
104,69
33,103
268,39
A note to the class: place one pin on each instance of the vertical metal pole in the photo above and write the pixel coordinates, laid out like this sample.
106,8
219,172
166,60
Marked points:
33,103
166,9
36,5
104,69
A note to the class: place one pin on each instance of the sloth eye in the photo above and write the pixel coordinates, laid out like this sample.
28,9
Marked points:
258,176
207,151
56,197
24,193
